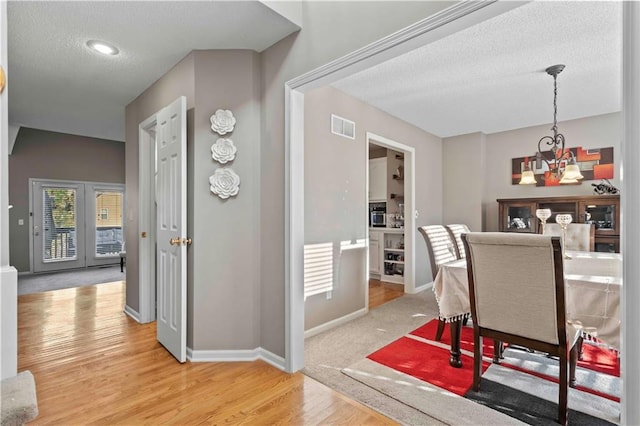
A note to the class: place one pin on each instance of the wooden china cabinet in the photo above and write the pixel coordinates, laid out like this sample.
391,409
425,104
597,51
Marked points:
519,215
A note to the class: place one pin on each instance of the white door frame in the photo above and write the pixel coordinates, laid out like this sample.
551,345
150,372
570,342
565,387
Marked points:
409,206
147,219
460,16
449,21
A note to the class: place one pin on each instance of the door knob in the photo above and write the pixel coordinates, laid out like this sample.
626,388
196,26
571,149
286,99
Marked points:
186,241
175,241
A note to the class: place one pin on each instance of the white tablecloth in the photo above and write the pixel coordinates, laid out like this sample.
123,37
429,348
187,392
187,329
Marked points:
593,282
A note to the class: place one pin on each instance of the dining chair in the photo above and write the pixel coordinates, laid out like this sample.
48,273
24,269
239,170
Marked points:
579,236
455,230
517,295
441,249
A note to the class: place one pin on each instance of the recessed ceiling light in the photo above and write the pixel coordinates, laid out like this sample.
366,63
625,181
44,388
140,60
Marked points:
103,47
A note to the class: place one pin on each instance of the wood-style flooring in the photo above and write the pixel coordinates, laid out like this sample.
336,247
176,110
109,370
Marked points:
95,365
381,292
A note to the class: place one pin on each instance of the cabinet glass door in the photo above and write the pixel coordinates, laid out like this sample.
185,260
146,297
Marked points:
603,215
520,218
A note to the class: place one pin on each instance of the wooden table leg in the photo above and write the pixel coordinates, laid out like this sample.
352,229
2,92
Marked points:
455,328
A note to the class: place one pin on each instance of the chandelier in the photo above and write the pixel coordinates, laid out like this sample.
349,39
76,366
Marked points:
561,163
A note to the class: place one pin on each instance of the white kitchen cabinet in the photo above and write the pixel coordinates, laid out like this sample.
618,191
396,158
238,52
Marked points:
393,257
378,179
375,253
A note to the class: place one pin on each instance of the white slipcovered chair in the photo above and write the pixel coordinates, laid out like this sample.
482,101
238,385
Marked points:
517,295
456,230
441,248
579,236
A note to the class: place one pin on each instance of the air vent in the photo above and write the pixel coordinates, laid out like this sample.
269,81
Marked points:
343,127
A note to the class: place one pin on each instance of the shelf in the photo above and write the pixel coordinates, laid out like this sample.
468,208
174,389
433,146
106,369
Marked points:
398,262
394,249
398,196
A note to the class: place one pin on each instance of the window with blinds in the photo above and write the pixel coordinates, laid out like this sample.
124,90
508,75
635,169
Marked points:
59,210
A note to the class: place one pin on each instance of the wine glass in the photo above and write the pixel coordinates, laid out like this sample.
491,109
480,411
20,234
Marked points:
543,215
564,220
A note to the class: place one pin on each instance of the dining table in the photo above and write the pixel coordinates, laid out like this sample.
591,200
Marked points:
593,283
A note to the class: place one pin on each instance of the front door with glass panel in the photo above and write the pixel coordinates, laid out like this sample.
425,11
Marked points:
75,224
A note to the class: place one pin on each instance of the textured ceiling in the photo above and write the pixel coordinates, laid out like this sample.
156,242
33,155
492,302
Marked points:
490,77
57,84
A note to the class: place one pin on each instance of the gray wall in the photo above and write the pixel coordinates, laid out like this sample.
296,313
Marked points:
328,33
226,249
593,132
464,160
179,81
49,155
335,193
330,30
223,293
477,167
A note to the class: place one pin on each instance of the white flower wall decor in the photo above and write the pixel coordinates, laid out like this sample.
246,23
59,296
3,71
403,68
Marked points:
225,183
223,150
223,122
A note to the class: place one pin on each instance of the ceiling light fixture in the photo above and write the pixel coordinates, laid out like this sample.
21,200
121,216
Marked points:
103,47
561,162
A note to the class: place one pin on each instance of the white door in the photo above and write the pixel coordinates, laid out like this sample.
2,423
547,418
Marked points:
171,199
76,224
58,225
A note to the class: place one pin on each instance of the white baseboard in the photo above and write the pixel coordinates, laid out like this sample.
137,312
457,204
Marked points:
132,313
236,356
423,287
336,322
270,358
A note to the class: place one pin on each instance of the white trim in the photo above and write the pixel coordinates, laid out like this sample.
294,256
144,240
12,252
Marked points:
336,322
446,22
456,18
271,358
423,287
630,179
240,355
294,230
132,313
409,204
146,214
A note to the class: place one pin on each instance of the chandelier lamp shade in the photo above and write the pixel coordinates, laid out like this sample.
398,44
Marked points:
561,163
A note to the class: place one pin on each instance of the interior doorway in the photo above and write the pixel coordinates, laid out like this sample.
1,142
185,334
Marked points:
391,185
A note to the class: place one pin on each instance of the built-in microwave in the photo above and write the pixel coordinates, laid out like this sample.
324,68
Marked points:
378,215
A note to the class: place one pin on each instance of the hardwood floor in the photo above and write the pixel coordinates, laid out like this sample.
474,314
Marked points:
381,292
95,365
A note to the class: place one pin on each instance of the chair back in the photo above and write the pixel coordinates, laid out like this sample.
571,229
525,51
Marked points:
516,284
440,246
455,231
579,236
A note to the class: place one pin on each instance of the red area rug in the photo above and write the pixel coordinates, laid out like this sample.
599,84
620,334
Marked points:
428,361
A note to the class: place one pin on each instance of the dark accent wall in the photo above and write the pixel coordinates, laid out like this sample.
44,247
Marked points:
50,155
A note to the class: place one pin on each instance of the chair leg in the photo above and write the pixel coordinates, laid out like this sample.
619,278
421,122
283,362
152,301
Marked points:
573,360
477,360
122,264
563,391
579,345
440,330
497,351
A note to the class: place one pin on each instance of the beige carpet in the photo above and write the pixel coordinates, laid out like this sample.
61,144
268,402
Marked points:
328,353
337,358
